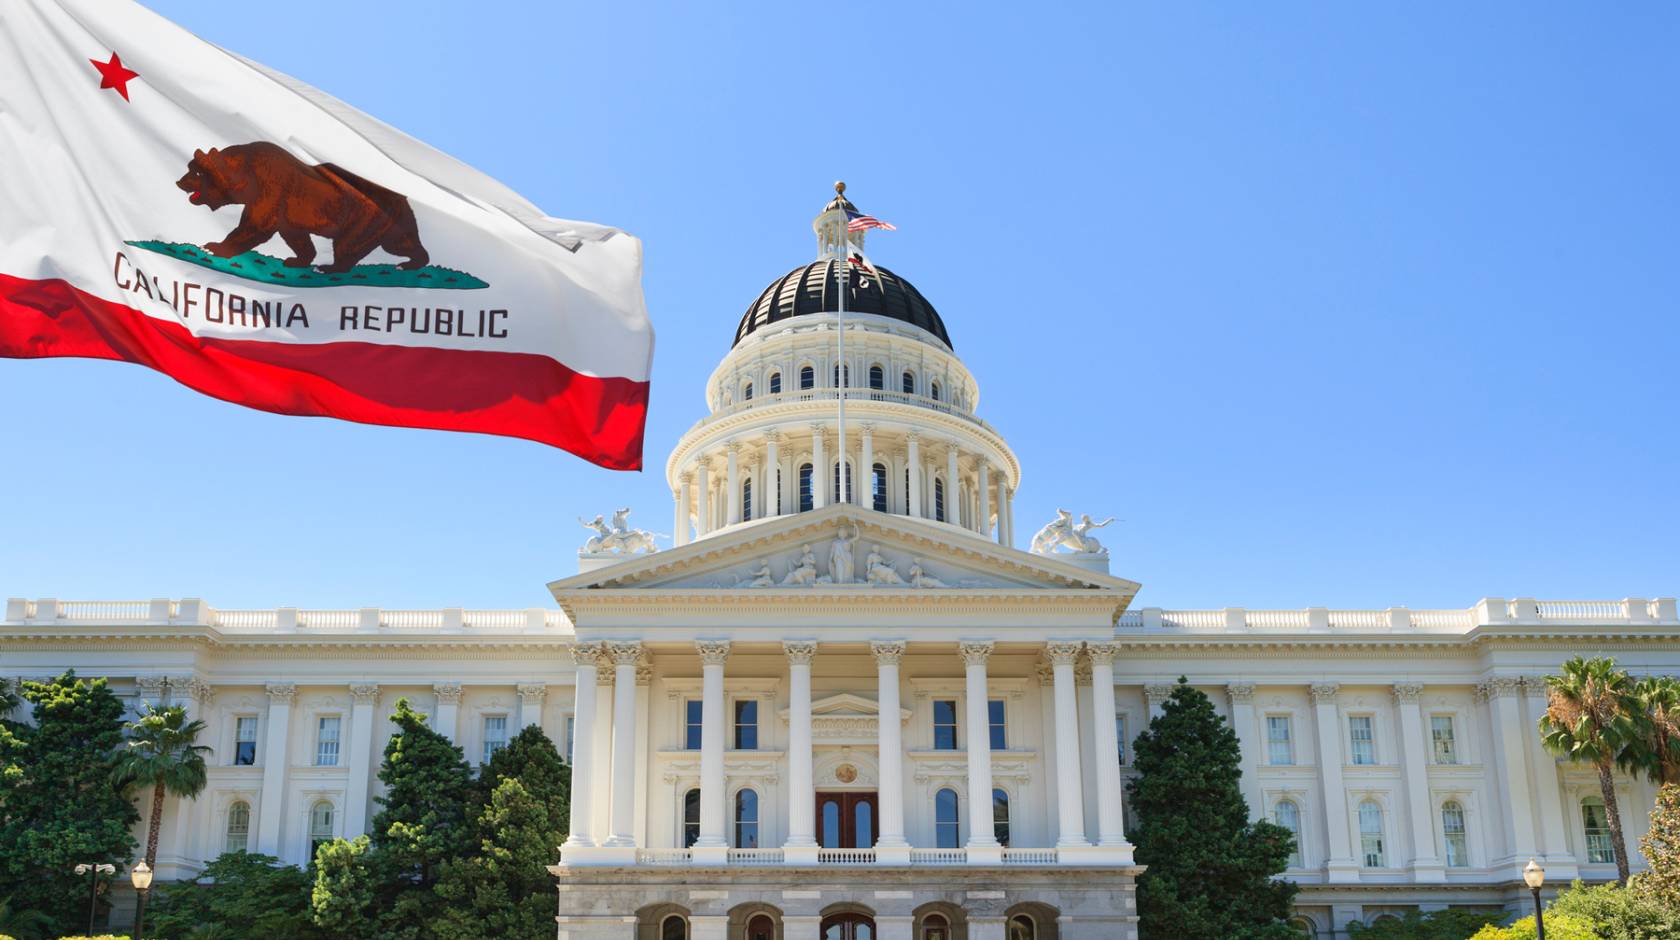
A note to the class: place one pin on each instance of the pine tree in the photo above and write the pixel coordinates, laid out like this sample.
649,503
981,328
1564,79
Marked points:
1211,873
504,889
61,806
252,892
534,760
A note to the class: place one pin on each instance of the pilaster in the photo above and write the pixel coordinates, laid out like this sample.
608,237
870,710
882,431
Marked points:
1340,868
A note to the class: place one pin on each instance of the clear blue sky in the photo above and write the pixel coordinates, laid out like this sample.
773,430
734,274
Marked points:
1331,304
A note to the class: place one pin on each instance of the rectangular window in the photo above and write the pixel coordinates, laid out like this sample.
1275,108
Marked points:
1441,734
495,735
1280,749
326,742
995,716
570,724
944,725
746,725
1120,732
245,741
691,724
1363,739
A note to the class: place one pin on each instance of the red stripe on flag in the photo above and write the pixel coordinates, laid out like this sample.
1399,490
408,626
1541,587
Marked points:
489,392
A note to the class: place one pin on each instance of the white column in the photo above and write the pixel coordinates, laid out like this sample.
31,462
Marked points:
822,476
1553,822
866,470
622,787
276,754
801,847
1340,867
644,678
1503,697
531,696
953,492
363,696
891,848
448,709
711,848
583,747
732,478
1111,823
601,779
679,533
1414,763
913,460
1242,721
1070,797
983,848
772,485
985,494
703,498
1009,513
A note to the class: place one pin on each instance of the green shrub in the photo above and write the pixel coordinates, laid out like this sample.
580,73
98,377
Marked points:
1618,913
1558,927
103,936
1434,925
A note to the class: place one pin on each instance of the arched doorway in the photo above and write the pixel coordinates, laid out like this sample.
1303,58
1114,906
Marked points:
761,927
848,926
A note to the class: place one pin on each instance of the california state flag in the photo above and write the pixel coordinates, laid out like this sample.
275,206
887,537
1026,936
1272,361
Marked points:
168,203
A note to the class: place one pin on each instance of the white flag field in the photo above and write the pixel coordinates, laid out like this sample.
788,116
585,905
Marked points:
166,202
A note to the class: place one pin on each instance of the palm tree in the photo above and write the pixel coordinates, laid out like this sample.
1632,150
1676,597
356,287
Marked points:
1591,719
161,752
1657,752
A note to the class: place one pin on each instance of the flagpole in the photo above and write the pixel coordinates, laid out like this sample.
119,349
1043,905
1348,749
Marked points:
843,374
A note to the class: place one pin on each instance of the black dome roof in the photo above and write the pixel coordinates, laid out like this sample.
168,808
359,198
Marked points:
812,289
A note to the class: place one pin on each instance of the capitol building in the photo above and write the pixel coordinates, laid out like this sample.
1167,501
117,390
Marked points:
853,701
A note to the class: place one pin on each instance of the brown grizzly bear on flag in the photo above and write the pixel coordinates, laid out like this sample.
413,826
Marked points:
285,196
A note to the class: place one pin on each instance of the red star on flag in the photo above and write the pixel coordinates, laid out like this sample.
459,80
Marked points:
114,74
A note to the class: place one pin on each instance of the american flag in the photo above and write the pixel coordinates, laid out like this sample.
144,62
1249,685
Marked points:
857,222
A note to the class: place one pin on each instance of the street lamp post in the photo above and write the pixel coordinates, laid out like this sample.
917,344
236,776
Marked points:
93,887
141,876
1535,876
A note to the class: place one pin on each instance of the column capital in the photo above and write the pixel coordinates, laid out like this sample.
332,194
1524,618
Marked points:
1082,670
686,477
150,686
532,693
1324,693
773,435
1063,652
1102,654
365,693
588,652
1500,687
732,447
1536,686
644,671
887,652
1406,693
191,687
817,427
800,652
281,692
712,652
447,692
1242,693
624,652
1157,692
913,436
975,652
867,428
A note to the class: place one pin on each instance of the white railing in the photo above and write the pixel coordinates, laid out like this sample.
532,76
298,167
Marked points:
104,610
507,620
1582,610
853,394
668,857
1443,621
1029,856
1194,619
412,619
247,619
1358,620
938,856
845,857
1277,619
327,620
755,857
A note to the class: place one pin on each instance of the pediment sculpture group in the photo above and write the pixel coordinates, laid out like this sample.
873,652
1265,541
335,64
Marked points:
842,568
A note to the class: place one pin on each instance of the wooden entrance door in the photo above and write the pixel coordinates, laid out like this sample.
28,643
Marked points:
847,820
848,927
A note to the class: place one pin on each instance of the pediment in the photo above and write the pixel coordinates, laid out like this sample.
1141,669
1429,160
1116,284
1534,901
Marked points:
838,549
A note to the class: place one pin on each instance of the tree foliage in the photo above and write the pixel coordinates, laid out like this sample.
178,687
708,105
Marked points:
163,753
1445,924
1590,720
1558,927
1656,750
255,892
1662,849
61,805
1616,913
535,762
504,888
1211,872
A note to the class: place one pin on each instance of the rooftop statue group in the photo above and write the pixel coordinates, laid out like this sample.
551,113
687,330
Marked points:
617,538
1063,532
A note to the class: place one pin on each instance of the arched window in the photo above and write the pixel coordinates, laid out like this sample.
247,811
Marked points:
807,377
1452,831
878,495
939,499
945,819
1021,927
1307,928
746,819
746,500
761,927
935,927
1000,817
674,927
238,827
806,498
877,378
691,817
320,826
933,391
1288,815
746,392
1371,834
775,383
908,383
1601,850
842,376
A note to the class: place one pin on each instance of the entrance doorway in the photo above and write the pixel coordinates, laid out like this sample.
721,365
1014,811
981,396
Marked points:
847,821
848,927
